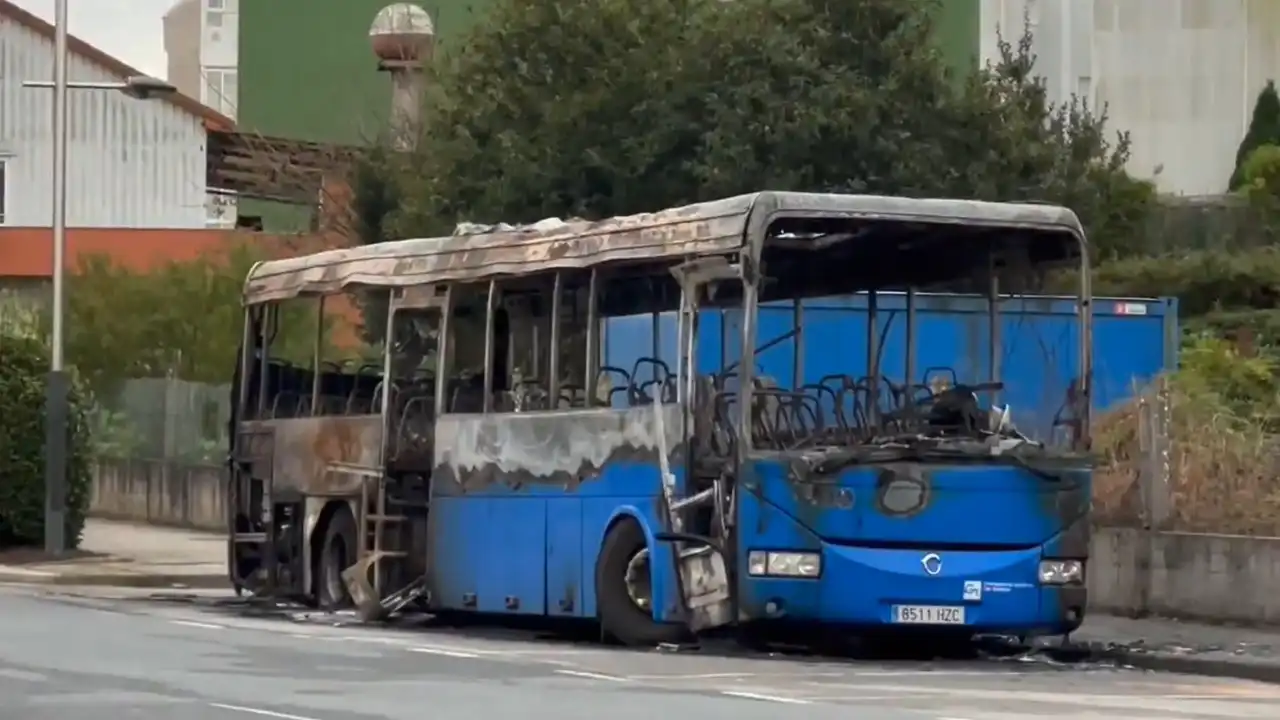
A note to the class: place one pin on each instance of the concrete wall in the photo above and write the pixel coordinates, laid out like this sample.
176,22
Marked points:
160,493
1225,578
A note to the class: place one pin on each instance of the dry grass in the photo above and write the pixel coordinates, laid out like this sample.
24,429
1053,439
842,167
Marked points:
1224,473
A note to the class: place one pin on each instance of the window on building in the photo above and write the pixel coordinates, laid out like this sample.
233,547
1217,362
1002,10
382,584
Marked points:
222,89
218,5
213,18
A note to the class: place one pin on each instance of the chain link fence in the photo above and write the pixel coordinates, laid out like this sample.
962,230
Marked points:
164,419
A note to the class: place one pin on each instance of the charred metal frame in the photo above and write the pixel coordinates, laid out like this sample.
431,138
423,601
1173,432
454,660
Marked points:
315,356
491,304
750,262
591,376
553,364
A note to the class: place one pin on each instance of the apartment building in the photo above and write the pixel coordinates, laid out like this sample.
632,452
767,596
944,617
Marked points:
201,38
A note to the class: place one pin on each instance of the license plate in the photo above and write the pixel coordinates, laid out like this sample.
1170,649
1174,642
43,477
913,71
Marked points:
928,615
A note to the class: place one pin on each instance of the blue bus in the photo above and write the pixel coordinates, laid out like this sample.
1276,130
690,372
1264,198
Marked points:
494,463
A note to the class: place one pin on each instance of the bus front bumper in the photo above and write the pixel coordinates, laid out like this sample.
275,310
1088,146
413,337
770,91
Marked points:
974,592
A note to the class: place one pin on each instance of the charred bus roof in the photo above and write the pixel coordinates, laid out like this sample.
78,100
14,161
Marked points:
865,240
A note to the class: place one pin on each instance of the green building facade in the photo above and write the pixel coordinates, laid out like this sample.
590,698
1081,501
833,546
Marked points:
307,71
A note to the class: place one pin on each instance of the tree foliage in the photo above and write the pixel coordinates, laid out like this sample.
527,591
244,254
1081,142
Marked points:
183,320
1264,129
24,366
601,107
1260,181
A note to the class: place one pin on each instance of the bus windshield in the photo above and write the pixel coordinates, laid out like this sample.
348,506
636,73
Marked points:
856,379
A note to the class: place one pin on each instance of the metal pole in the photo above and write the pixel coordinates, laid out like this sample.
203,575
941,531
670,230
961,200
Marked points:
56,410
591,380
553,364
873,360
316,351
994,344
911,343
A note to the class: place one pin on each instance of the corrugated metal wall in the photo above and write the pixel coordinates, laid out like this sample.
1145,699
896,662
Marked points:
1180,75
130,163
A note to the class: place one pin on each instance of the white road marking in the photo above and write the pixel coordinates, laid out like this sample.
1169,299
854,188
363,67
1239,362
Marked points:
591,675
201,625
858,698
260,711
446,652
703,676
927,673
23,675
767,698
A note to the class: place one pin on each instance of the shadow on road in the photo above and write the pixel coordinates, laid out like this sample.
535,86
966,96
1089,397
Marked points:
796,644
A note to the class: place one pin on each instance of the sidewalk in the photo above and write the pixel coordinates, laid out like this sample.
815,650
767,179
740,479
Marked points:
1184,647
128,555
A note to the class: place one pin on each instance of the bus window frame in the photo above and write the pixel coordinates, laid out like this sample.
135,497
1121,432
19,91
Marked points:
751,259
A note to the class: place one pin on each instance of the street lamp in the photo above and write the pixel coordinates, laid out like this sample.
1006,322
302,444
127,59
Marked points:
57,392
139,87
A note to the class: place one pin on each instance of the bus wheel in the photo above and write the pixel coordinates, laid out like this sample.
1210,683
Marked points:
338,552
623,598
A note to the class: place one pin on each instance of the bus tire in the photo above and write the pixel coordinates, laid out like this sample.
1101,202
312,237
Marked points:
619,616
338,551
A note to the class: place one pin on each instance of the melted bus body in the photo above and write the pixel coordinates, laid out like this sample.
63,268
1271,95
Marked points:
493,463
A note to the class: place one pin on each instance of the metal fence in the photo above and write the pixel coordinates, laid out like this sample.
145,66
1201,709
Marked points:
1225,222
163,419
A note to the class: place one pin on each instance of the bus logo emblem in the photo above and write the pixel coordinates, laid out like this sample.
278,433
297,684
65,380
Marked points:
932,563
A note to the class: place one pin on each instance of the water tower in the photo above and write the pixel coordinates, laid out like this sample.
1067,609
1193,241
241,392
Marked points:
403,38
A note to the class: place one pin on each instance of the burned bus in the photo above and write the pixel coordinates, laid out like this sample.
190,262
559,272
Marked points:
489,462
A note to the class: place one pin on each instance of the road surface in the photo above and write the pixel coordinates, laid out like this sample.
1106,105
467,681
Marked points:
67,657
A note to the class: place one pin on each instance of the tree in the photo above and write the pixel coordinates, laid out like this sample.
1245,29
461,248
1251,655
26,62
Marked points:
601,107
1264,129
182,320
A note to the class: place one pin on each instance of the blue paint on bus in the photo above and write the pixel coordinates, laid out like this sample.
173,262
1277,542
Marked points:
1134,340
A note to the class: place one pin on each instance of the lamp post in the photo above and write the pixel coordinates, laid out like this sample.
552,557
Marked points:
57,390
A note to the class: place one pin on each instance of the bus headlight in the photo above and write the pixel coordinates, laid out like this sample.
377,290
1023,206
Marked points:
784,564
1061,572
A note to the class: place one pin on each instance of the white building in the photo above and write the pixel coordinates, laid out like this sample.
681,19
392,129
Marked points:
1180,75
130,163
201,38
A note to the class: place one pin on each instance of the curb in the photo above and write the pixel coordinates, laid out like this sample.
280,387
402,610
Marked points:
1240,669
203,582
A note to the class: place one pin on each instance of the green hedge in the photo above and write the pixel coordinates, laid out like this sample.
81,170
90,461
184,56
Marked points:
24,364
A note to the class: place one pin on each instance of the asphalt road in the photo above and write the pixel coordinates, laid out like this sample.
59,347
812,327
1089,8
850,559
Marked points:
69,657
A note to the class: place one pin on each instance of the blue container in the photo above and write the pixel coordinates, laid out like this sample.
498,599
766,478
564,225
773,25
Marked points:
1134,340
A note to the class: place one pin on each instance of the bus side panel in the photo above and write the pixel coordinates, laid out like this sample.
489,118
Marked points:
456,550
565,552
521,504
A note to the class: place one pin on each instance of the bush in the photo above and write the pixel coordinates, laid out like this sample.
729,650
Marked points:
24,363
1261,180
1204,281
1222,450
